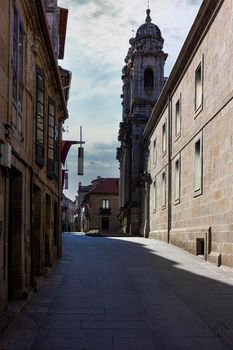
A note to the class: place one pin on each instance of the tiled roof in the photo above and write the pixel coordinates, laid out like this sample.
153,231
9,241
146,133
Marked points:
106,186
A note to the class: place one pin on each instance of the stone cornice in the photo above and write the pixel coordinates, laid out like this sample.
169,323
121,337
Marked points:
151,53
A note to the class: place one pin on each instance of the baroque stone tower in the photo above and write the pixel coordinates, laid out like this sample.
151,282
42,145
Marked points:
143,80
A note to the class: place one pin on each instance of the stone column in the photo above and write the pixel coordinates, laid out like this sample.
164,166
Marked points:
135,209
127,174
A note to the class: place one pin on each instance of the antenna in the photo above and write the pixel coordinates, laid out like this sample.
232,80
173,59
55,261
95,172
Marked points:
148,3
81,133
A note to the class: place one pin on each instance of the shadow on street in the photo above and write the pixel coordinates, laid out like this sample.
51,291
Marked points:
127,293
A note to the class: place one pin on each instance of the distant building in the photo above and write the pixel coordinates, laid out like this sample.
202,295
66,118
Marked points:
82,191
33,107
100,207
68,217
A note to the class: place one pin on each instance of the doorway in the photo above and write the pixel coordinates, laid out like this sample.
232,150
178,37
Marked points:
47,242
15,239
56,242
105,223
37,236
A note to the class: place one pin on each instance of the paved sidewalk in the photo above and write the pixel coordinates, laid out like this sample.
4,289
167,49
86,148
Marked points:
127,293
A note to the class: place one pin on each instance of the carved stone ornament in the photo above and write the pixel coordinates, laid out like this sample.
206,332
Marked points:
35,45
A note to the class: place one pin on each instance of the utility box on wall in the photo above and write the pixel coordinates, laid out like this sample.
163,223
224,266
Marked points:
5,155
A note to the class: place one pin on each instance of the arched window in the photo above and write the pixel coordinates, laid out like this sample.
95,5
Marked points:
148,81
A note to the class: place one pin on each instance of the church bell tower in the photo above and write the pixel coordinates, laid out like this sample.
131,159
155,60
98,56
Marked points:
143,80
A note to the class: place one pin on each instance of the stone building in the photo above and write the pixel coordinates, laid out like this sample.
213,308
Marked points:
32,111
68,210
143,79
100,207
190,136
82,191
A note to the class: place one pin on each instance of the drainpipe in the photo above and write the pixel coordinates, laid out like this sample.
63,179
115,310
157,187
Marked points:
148,181
169,214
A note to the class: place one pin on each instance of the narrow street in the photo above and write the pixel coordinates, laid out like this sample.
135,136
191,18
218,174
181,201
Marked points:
127,293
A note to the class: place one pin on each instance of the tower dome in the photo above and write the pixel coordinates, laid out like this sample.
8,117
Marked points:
148,29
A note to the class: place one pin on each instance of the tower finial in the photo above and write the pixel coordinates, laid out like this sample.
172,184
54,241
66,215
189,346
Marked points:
148,18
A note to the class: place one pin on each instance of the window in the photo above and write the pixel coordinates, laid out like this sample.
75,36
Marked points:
105,223
17,70
148,81
105,204
155,152
164,138
198,87
40,113
198,167
155,194
164,192
51,138
178,118
177,180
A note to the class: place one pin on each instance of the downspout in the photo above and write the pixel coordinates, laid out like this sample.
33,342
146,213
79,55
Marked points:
169,214
148,182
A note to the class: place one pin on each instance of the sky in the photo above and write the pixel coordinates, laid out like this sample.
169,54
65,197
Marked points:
97,42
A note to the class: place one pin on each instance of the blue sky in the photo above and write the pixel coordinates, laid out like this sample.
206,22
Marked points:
97,42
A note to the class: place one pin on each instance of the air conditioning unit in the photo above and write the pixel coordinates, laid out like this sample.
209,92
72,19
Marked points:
5,155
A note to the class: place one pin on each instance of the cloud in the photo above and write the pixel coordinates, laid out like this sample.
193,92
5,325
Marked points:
192,2
102,152
94,85
99,6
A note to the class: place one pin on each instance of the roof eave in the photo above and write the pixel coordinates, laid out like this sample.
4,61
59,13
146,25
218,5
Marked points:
62,31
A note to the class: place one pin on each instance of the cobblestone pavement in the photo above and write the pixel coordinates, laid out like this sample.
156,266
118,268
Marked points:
127,293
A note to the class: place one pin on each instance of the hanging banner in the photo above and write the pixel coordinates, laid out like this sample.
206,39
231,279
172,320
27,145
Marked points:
65,147
66,180
80,160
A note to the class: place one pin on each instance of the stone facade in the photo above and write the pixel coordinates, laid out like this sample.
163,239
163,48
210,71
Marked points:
32,110
191,205
82,192
68,217
100,207
143,79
